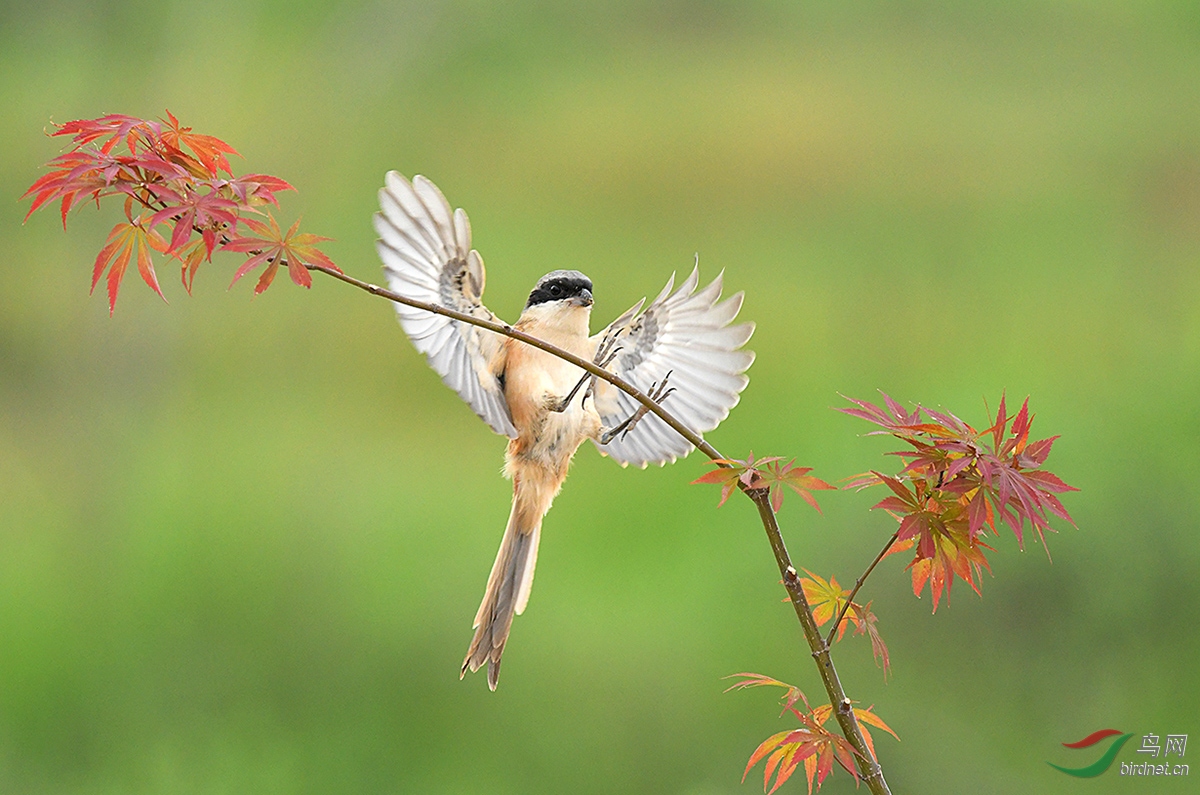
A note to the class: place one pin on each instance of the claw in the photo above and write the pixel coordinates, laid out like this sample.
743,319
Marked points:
607,360
606,346
608,357
658,393
604,357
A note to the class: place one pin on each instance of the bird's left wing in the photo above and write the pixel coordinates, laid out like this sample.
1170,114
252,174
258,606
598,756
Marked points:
427,255
685,333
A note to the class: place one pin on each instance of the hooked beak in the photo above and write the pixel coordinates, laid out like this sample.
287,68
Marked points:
583,299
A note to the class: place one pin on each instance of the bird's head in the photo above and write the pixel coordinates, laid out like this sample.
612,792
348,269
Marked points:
562,289
561,299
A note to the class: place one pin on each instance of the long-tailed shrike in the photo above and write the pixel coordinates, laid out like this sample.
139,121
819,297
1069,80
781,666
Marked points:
684,336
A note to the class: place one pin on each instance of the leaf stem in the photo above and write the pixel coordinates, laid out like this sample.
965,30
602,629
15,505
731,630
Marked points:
859,584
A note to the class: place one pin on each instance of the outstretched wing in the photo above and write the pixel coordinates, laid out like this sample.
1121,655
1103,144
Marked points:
427,255
687,334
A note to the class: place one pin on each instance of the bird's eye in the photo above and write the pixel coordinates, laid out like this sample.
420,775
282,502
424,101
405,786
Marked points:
555,290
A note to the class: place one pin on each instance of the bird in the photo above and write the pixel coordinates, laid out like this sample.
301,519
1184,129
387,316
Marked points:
685,337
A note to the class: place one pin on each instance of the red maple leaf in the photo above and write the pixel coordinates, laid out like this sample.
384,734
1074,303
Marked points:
208,212
955,482
172,172
117,126
252,190
764,473
126,239
811,744
275,248
210,150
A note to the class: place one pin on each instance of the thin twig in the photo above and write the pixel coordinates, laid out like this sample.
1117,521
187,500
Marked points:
859,583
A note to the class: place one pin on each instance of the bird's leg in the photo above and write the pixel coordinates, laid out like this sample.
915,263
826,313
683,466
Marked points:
607,351
658,393
604,356
607,360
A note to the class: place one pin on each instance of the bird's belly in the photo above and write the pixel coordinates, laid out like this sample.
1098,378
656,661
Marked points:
547,438
561,435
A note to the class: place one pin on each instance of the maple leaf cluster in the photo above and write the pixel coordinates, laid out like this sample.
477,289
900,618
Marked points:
828,601
811,744
765,473
180,182
956,483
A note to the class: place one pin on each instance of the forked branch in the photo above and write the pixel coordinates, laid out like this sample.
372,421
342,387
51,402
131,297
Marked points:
859,584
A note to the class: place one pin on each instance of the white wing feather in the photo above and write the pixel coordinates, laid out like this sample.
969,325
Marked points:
427,255
686,333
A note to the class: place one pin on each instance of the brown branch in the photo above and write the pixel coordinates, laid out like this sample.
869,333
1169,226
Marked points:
859,583
869,769
509,331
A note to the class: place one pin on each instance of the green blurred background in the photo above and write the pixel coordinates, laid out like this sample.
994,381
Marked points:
242,541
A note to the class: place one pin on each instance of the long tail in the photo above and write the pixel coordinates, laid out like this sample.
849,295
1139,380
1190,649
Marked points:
509,583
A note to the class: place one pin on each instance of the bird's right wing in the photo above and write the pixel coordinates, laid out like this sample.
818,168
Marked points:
686,335
427,255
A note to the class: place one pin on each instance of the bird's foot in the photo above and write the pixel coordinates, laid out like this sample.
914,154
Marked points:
658,393
604,357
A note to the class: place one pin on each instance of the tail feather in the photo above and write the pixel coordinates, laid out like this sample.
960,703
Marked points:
507,591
